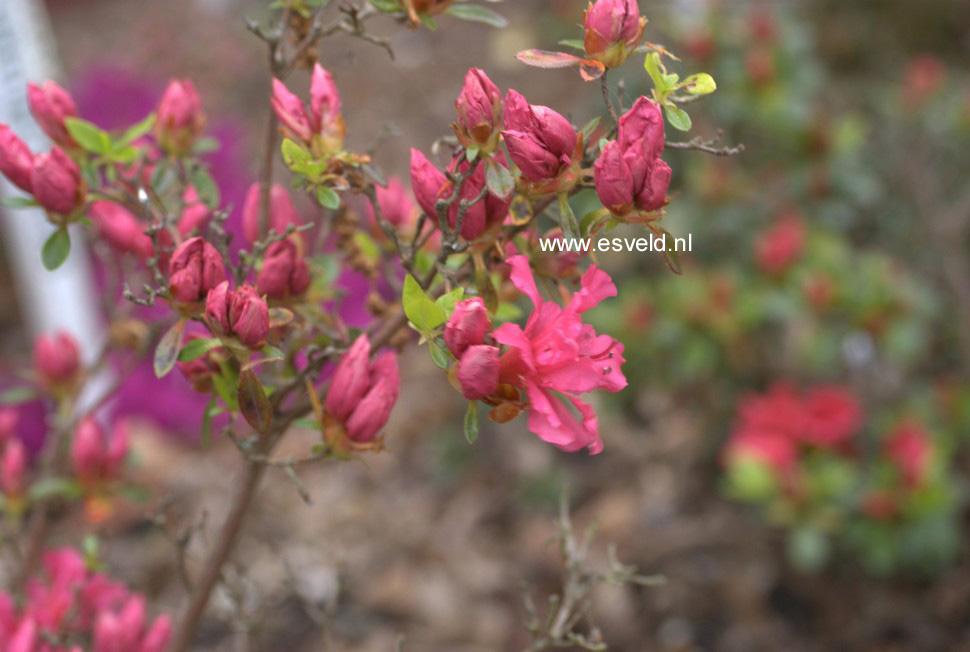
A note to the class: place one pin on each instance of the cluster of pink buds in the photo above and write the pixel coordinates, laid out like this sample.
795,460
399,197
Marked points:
322,126
630,175
431,185
53,178
465,332
360,398
68,602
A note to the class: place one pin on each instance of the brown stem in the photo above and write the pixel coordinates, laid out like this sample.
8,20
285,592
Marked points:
212,571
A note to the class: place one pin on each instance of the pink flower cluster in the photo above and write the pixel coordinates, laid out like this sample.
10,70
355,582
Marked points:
363,392
69,608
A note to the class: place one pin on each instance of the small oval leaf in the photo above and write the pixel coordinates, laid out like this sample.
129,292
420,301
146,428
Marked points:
167,351
56,249
253,402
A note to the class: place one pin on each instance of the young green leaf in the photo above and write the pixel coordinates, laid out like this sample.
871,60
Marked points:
448,301
700,84
328,198
56,249
477,14
471,422
198,347
677,117
138,130
89,136
206,186
439,354
421,311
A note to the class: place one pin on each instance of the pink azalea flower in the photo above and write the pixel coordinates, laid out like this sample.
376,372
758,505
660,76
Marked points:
558,353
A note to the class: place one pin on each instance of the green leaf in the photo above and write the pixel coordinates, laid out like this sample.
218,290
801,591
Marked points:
223,389
253,402
507,311
653,67
89,546
328,198
17,395
477,14
448,301
198,347
167,351
368,248
56,249
19,202
293,153
429,22
138,130
387,6
471,153
670,80
567,219
677,117
421,311
499,180
574,43
88,135
700,84
57,487
471,422
206,186
439,354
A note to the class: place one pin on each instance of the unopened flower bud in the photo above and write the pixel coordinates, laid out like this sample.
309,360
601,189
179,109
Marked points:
325,118
16,159
371,414
291,113
50,104
479,111
56,182
180,119
350,379
282,212
613,29
12,468
241,312
249,316
56,358
540,141
87,448
195,268
120,228
467,325
478,371
284,273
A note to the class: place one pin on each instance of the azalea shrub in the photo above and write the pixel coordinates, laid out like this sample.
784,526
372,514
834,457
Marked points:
878,486
250,317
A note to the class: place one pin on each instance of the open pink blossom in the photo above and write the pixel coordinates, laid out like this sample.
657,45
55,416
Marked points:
559,354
